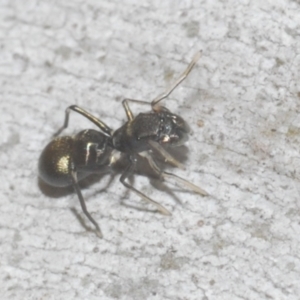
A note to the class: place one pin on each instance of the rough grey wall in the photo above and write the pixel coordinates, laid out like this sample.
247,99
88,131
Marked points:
242,102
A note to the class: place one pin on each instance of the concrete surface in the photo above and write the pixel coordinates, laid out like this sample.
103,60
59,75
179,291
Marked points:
242,102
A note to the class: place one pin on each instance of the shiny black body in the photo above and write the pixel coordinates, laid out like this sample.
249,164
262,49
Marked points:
85,153
162,127
66,160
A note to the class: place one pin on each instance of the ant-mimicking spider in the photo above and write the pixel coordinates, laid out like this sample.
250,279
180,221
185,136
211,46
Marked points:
69,159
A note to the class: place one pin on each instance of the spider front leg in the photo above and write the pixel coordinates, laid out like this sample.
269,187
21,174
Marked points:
128,111
167,175
167,156
128,172
186,72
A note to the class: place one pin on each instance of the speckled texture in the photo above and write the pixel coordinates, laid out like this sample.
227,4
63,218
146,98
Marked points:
242,103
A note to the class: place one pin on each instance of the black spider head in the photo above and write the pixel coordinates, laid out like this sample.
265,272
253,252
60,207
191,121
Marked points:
174,131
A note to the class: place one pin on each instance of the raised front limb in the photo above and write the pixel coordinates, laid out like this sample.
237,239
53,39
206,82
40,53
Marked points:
186,72
128,111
